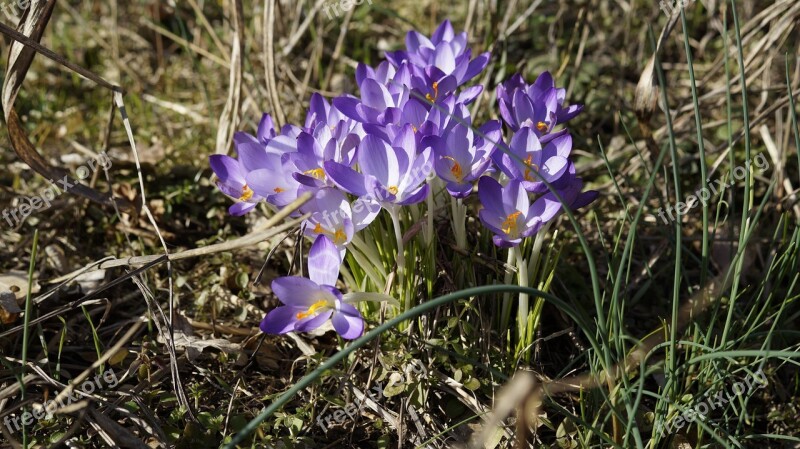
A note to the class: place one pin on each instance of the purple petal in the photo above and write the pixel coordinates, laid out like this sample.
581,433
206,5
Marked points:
349,106
241,208
347,321
297,291
476,66
345,178
323,261
378,159
415,197
309,324
280,320
490,193
375,95
266,129
226,168
444,32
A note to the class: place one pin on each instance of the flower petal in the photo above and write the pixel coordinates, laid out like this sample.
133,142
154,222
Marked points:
309,324
348,321
323,261
297,291
280,320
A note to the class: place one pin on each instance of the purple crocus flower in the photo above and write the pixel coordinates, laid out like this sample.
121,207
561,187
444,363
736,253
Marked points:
390,174
309,303
274,180
440,64
268,139
539,106
333,216
550,163
460,157
509,214
381,100
232,182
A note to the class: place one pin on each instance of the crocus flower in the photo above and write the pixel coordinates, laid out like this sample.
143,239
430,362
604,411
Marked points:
390,174
274,180
460,157
550,162
309,303
539,106
268,139
232,182
381,100
333,216
508,212
440,64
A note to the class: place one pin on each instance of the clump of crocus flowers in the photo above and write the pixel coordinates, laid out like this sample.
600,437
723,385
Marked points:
409,132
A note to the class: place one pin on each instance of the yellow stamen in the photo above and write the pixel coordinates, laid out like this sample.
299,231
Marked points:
339,236
247,193
510,223
392,190
279,190
529,163
414,128
435,95
456,169
317,173
313,309
541,126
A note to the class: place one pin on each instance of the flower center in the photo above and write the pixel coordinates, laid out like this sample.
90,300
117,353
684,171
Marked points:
435,95
510,224
247,193
392,190
541,126
528,164
313,310
316,173
339,236
456,169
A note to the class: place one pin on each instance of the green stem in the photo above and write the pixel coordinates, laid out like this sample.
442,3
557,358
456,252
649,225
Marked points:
401,256
522,280
505,315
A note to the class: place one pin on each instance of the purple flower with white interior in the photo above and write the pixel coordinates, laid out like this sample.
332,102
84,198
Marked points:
390,174
509,214
440,64
539,106
309,303
550,162
332,215
461,156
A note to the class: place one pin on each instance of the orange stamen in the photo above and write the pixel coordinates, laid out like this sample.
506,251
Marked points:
456,169
247,193
541,126
313,309
529,163
510,223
